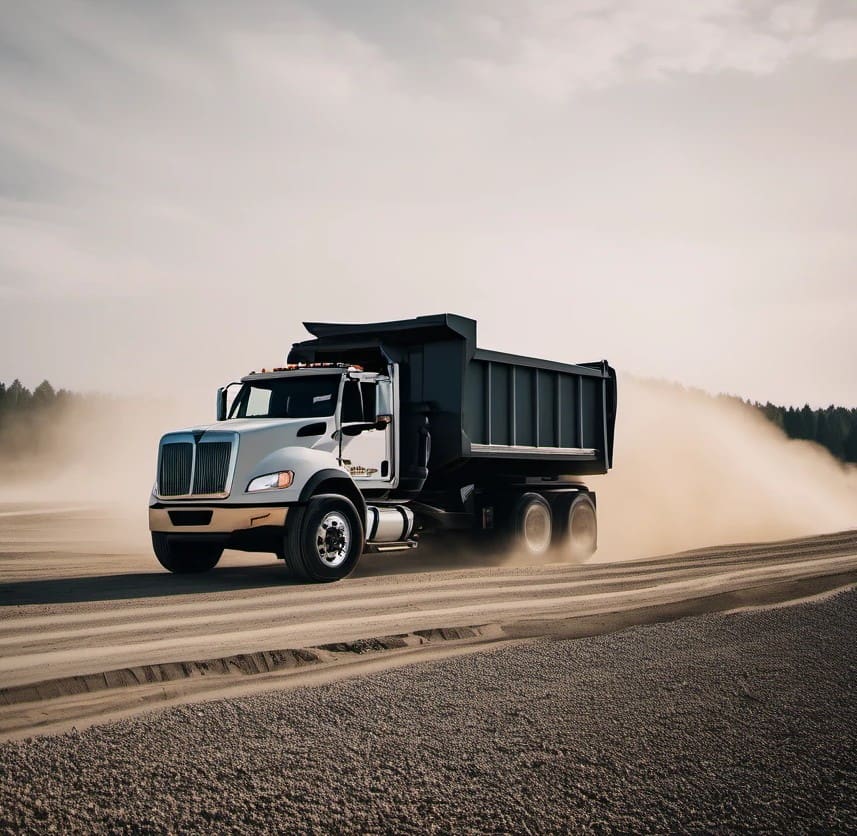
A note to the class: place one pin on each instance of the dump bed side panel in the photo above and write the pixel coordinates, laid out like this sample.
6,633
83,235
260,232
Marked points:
515,407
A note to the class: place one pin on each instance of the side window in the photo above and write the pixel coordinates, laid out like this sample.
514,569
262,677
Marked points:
257,402
368,401
358,402
352,407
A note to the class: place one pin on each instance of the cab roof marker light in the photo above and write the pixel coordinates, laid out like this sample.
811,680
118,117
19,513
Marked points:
352,367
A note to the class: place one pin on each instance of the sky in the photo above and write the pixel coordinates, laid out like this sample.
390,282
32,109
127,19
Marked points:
669,185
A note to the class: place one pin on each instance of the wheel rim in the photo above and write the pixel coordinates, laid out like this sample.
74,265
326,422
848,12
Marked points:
537,528
582,528
333,539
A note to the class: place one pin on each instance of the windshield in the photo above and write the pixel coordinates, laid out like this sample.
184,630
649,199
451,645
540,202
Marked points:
287,397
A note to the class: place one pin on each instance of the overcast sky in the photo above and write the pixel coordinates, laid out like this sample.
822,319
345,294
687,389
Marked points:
668,184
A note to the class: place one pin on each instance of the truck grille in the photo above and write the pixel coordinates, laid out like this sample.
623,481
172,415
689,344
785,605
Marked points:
205,463
176,465
212,467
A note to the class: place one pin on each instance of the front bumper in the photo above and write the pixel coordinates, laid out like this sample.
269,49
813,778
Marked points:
211,519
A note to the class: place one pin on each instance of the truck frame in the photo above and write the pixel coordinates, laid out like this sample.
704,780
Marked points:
376,435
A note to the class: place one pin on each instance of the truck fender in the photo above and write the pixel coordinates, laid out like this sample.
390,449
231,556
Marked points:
331,480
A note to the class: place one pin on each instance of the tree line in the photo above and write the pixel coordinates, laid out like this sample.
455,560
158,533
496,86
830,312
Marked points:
17,399
25,415
833,427
29,420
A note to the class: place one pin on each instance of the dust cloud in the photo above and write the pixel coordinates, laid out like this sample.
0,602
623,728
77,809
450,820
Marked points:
92,472
693,470
98,451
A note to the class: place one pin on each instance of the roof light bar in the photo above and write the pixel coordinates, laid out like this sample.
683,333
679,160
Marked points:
352,367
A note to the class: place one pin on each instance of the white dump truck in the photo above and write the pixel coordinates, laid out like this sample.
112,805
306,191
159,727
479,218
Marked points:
374,436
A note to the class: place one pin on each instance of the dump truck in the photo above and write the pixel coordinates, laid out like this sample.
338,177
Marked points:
377,436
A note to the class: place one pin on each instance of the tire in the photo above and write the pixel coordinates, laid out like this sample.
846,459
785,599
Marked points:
532,525
581,539
324,539
185,558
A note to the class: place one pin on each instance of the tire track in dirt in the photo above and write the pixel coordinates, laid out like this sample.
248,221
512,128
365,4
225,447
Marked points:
52,648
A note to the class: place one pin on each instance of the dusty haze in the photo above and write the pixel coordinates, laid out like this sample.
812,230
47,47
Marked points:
99,455
690,470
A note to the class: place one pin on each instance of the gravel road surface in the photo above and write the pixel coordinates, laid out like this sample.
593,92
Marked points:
743,722
91,628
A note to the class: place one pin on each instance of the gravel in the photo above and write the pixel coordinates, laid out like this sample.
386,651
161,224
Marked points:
743,722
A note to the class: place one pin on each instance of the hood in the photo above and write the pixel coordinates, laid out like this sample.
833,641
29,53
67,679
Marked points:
261,440
245,426
262,435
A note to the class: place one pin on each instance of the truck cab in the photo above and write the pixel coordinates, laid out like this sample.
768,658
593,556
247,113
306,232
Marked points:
289,434
346,412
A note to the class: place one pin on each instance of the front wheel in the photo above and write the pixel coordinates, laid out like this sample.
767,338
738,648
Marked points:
185,558
324,540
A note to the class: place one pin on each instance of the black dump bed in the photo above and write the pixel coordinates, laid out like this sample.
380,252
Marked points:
487,413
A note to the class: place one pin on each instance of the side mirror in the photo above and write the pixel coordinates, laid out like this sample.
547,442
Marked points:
355,429
221,404
383,421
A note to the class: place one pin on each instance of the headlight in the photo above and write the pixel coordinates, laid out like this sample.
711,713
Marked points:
272,482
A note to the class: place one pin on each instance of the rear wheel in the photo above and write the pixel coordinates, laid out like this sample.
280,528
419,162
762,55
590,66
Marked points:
532,524
324,540
185,558
582,535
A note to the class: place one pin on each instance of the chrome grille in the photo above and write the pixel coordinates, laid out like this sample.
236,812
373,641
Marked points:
190,466
176,465
212,467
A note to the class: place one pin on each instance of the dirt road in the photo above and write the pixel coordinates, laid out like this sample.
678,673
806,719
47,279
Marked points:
739,723
92,628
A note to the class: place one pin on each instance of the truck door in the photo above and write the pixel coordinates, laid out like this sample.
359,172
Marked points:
367,443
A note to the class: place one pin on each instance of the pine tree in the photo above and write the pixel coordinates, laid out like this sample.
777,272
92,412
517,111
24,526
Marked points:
808,423
850,452
835,432
44,395
18,395
791,423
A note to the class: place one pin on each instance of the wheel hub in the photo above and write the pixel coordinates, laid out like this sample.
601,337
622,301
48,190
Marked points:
333,539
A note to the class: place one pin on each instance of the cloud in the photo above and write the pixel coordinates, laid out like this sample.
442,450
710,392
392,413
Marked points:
554,48
129,136
194,179
836,40
796,17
